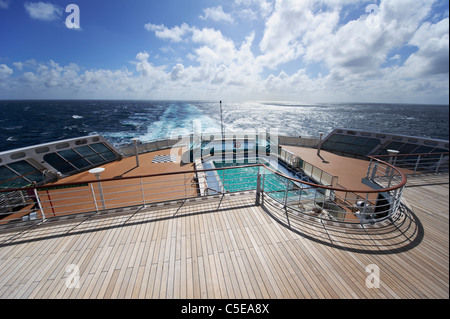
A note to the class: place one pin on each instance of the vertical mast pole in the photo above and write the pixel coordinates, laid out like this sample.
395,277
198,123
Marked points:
221,120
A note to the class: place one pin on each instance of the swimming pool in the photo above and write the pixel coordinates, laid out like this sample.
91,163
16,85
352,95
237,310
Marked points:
245,178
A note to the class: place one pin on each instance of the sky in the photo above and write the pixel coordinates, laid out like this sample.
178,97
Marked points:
310,51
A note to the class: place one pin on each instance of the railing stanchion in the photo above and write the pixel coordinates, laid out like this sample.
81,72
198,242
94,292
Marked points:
286,193
393,207
93,195
417,164
258,189
101,194
263,184
223,181
391,177
51,204
300,191
439,164
142,191
39,204
369,168
185,186
374,172
365,206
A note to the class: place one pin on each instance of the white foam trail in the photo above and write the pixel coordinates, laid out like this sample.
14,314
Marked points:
178,119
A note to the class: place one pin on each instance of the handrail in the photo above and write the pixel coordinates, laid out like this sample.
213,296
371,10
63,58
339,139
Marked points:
402,183
344,205
411,154
419,161
124,178
68,198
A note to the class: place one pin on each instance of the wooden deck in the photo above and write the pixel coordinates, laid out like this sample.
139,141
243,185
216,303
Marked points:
350,171
229,248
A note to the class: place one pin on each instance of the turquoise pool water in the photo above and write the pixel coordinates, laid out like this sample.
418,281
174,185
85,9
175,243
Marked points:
241,179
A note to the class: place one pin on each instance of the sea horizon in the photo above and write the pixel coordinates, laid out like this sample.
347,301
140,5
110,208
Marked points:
25,122
223,100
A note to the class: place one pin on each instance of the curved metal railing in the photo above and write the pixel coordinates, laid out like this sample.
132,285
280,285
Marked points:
378,201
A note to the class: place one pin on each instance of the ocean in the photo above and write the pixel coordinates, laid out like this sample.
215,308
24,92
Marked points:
26,123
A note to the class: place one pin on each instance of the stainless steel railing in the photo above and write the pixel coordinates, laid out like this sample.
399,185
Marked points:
413,164
338,204
292,195
99,195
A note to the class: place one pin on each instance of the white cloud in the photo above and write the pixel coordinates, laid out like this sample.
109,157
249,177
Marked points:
254,8
175,34
311,32
216,48
432,58
217,14
4,4
30,77
5,71
294,30
43,10
18,65
177,72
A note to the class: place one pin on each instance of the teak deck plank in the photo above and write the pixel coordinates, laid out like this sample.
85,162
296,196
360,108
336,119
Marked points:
231,249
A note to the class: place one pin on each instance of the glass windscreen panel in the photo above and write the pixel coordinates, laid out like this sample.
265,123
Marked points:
59,163
74,158
9,179
27,171
104,151
89,154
